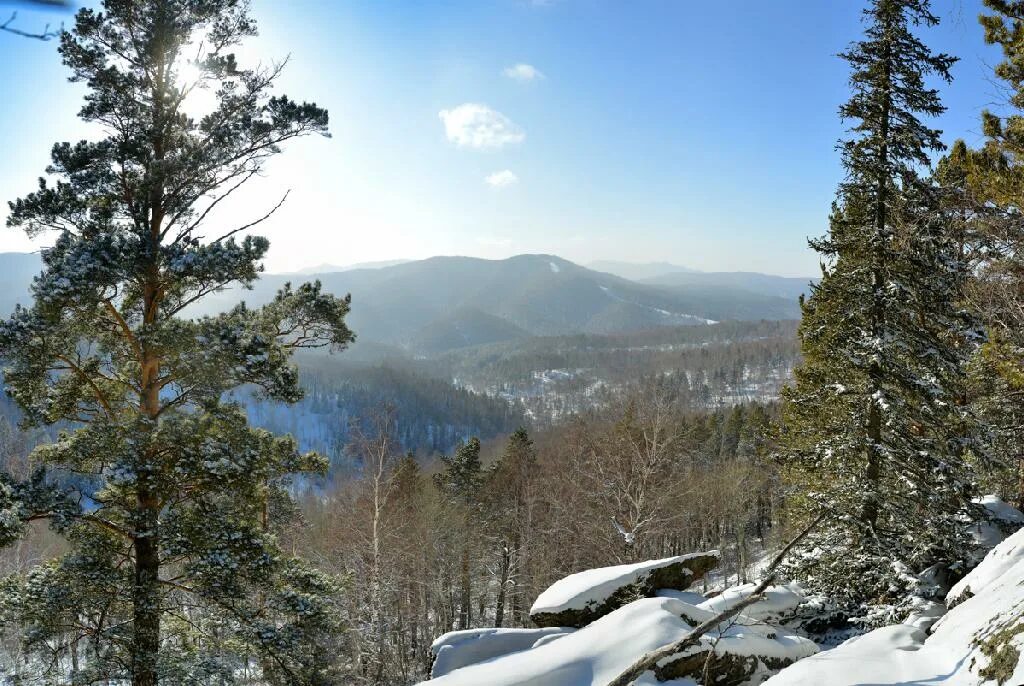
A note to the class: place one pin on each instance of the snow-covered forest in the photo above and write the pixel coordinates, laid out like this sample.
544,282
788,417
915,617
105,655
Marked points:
552,475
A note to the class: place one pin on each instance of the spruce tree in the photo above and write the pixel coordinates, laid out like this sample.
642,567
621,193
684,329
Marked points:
875,429
173,573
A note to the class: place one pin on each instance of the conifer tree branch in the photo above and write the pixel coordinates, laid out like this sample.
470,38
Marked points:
104,524
100,395
123,325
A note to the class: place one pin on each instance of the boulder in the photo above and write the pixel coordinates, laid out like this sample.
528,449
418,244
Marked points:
579,599
779,602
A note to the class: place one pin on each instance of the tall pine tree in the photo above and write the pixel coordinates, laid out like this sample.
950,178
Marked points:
875,429
173,574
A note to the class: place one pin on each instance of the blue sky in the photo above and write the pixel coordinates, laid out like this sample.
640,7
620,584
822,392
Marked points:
701,133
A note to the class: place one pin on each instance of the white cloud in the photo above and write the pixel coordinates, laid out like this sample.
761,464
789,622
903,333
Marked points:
472,125
500,179
524,73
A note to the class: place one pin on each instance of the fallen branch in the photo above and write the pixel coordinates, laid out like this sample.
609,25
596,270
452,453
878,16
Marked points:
651,659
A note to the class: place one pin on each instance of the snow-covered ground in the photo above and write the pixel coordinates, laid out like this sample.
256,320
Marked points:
461,648
597,653
978,642
975,639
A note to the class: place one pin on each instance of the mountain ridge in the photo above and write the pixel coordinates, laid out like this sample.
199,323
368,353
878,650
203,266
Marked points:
447,302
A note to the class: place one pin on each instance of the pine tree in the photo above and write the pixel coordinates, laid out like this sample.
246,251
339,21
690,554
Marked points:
875,426
174,573
989,188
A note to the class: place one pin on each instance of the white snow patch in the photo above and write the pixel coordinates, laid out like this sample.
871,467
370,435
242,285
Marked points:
1001,510
690,597
554,268
663,313
461,648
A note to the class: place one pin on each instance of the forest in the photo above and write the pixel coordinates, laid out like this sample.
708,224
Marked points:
198,489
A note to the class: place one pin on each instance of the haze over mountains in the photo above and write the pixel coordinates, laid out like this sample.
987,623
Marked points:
446,303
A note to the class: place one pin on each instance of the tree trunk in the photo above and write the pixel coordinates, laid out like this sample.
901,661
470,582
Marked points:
146,609
506,564
873,471
465,591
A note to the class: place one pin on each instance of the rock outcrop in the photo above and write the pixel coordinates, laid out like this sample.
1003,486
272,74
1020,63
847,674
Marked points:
579,599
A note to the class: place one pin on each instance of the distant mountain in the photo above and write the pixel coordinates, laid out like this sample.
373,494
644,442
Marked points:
16,272
445,303
327,268
638,271
753,282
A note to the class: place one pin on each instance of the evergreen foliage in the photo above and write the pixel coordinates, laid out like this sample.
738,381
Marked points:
989,187
877,430
174,573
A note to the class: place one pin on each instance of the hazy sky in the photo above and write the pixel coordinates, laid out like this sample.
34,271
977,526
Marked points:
701,133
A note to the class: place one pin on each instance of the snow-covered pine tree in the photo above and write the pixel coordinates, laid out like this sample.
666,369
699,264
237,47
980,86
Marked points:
173,573
875,429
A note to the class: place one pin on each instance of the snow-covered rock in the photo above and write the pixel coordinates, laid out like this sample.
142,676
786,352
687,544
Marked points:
742,651
461,648
978,641
779,601
581,598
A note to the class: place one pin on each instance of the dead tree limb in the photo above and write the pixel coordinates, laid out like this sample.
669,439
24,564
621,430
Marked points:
692,638
45,34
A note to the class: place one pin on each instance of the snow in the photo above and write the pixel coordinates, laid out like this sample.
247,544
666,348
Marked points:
663,313
952,655
889,655
778,601
996,565
594,586
554,268
461,648
689,597
597,653
1001,510
988,534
